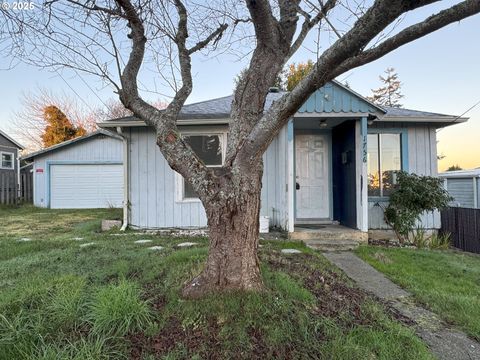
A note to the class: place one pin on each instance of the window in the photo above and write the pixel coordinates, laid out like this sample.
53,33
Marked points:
384,161
209,148
6,160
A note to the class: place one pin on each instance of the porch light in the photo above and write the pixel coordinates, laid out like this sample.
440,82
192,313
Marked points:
323,123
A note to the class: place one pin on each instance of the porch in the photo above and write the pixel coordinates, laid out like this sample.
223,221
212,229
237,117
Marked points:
327,174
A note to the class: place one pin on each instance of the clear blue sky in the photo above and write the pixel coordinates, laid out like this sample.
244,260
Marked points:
440,73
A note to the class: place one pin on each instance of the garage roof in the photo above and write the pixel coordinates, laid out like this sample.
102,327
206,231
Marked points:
70,142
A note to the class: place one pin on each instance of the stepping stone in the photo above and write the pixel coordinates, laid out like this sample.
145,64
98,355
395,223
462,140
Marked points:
291,251
144,241
186,244
77,238
155,248
87,244
24,239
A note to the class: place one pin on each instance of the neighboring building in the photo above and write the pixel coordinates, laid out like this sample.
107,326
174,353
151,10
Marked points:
322,168
85,172
9,163
464,187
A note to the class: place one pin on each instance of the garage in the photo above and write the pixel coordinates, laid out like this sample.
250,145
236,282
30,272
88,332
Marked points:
83,173
83,186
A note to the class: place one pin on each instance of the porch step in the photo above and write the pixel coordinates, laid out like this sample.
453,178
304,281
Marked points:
331,245
330,237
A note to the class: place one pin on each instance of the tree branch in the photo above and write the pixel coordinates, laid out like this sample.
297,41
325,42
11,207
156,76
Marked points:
376,19
446,17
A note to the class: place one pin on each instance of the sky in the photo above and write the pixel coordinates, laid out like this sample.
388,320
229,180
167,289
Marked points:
439,73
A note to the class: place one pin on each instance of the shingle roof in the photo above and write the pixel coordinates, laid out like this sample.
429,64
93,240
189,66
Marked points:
401,112
220,108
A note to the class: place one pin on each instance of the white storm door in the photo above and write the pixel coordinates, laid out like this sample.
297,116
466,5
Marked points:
311,172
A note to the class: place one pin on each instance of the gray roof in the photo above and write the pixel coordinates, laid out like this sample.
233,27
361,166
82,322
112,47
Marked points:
20,146
70,142
220,108
401,112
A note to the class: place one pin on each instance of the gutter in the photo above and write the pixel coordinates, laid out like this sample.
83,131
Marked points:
125,179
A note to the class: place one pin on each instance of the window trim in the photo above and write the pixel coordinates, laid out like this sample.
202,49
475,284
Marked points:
13,160
403,153
180,181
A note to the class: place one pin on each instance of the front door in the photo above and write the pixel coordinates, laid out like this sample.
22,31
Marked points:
311,172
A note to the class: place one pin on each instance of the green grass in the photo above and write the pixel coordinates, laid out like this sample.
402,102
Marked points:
447,282
118,299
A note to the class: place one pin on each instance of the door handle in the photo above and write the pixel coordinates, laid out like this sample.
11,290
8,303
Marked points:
297,186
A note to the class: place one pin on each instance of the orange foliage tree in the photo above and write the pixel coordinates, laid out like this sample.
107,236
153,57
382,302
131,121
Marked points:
58,128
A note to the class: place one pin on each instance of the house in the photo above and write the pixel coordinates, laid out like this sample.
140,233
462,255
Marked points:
322,168
464,187
85,172
9,167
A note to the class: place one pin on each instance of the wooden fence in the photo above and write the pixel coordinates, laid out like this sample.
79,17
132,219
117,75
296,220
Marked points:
8,188
26,183
463,224
13,192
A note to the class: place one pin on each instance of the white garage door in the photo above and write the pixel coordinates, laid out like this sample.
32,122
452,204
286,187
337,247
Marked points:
86,186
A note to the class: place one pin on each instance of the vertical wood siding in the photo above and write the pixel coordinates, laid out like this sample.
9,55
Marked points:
97,148
152,186
422,159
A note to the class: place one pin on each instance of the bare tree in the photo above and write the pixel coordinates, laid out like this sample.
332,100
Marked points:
118,39
29,122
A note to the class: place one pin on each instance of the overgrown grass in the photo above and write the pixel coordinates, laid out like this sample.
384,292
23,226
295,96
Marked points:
447,282
117,299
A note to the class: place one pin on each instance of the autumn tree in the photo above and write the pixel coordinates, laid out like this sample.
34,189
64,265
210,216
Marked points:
297,72
122,40
389,93
59,128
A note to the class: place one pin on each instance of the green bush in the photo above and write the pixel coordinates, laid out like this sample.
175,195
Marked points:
412,196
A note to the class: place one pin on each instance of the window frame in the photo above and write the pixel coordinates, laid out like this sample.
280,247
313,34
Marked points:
179,179
1,160
403,132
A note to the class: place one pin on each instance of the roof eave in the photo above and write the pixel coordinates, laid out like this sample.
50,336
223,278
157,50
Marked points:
70,142
20,146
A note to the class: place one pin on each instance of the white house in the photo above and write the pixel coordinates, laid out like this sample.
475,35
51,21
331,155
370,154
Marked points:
464,187
86,172
334,162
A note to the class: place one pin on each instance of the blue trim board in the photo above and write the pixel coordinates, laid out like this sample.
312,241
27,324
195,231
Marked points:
49,163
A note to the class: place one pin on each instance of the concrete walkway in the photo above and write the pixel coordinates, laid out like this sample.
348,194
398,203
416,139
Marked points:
444,342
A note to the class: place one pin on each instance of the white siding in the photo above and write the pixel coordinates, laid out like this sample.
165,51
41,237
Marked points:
462,191
99,148
152,186
422,160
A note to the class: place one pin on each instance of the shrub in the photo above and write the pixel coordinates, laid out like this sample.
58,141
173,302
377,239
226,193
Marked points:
413,196
118,309
440,241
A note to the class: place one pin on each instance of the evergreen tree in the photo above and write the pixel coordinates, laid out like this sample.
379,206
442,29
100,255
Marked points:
454,168
389,94
58,128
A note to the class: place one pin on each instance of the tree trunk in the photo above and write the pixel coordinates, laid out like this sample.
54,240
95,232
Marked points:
233,222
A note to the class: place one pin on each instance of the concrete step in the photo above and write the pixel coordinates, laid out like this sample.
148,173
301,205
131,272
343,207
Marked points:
331,244
350,235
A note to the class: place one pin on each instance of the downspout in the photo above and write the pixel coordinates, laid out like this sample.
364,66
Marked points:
125,178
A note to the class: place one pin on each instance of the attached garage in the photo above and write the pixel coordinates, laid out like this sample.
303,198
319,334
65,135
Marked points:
83,173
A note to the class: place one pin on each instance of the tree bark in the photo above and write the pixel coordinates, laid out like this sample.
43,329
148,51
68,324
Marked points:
233,221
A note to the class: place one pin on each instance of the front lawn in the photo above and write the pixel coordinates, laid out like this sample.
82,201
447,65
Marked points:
115,298
447,282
